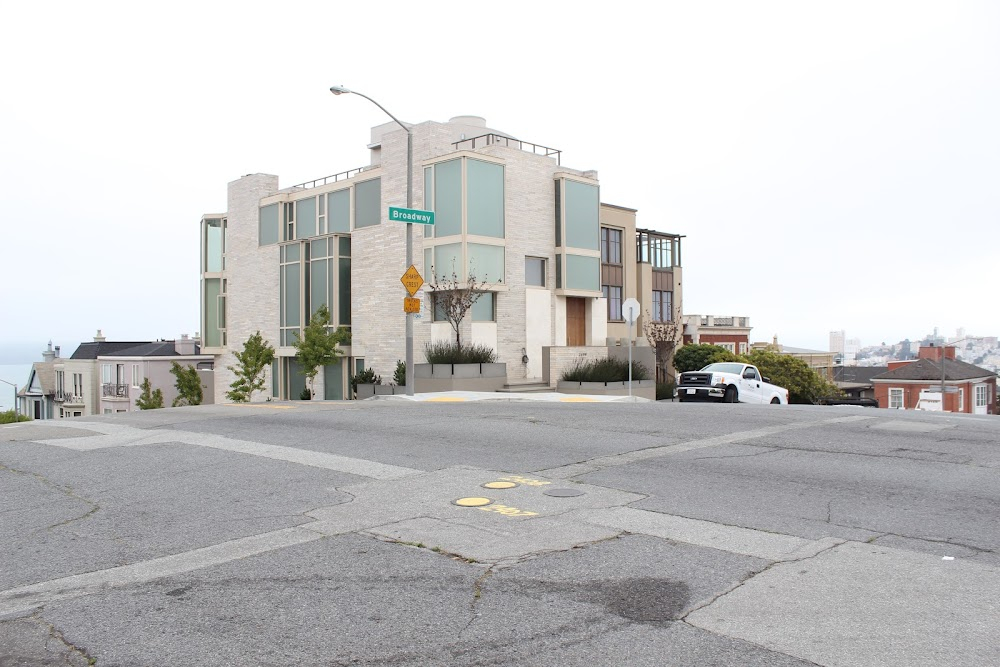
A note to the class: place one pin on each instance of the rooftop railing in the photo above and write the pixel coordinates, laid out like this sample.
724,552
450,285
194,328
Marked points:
527,146
333,178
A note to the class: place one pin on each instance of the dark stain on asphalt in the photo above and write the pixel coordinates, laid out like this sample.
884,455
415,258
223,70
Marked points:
642,599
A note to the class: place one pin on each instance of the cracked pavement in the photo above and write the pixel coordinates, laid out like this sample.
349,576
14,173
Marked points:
331,533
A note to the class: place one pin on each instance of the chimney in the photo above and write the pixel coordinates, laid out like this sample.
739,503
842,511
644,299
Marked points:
184,346
99,338
57,351
48,355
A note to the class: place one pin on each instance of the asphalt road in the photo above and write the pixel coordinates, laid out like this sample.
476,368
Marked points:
635,534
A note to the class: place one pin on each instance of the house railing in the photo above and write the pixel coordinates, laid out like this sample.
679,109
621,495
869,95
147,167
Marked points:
527,146
333,178
112,390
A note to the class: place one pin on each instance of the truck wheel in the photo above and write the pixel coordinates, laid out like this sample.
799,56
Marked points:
730,396
775,401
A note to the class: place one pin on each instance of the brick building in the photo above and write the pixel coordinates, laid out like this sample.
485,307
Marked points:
917,384
729,332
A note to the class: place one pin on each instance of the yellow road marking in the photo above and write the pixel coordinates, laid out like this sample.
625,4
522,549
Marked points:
259,405
473,502
499,485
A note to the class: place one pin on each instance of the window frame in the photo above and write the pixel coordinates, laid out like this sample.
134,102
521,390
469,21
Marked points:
900,393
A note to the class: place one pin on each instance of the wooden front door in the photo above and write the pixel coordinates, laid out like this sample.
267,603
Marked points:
576,321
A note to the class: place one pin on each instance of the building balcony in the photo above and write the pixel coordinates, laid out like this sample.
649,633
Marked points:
111,390
69,399
729,321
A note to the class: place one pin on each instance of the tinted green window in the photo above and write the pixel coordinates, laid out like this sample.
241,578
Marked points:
296,380
344,290
268,230
483,309
345,246
486,262
447,260
318,295
558,213
429,197
339,211
367,203
291,294
333,381
213,287
484,197
214,245
583,272
448,198
305,217
582,212
559,280
428,261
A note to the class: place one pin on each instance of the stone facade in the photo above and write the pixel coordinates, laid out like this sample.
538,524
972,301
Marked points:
520,329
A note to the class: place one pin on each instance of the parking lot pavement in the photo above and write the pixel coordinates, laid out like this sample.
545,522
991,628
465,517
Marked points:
402,532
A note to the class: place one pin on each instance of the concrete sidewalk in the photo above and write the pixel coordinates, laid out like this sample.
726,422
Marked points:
550,397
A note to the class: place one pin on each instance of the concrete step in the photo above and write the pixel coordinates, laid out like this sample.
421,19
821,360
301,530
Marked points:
525,387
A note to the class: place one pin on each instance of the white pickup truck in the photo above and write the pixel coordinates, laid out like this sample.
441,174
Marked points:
729,382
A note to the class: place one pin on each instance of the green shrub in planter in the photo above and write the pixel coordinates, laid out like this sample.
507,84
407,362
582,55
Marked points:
664,390
451,353
399,377
366,376
605,370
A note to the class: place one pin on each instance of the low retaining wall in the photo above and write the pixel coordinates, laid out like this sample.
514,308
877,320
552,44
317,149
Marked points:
458,377
640,388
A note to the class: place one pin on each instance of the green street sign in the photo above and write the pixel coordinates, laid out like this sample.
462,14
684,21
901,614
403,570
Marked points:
411,215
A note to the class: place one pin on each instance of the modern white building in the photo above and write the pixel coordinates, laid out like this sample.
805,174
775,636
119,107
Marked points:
506,211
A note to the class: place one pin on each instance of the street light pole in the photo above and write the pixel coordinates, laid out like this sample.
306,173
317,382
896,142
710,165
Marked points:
340,90
14,385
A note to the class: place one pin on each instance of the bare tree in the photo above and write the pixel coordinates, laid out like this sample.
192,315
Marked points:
663,336
454,298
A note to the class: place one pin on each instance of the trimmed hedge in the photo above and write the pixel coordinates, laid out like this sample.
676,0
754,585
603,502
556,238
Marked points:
451,353
605,370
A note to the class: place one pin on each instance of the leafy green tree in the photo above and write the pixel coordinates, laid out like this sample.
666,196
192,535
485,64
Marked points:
803,383
252,364
693,357
188,385
149,399
318,346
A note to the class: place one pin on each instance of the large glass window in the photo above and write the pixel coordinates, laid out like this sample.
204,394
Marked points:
344,282
211,316
612,273
448,198
215,245
338,211
269,225
583,273
447,260
582,210
291,293
484,309
484,193
662,306
486,262
305,217
368,203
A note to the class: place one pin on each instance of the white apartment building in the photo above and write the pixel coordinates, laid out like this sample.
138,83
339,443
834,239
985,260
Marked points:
506,210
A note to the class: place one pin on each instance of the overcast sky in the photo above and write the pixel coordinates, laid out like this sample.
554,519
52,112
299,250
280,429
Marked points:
832,165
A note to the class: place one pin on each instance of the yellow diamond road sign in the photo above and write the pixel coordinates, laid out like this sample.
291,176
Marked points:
412,280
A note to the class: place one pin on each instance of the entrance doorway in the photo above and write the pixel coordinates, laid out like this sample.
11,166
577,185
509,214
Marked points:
576,321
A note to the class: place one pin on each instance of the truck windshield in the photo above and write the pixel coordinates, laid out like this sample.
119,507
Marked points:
724,368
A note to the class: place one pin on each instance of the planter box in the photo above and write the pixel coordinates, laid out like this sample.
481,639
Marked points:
369,390
458,377
640,388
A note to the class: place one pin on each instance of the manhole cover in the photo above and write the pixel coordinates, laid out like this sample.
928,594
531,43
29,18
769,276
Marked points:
499,485
563,493
472,502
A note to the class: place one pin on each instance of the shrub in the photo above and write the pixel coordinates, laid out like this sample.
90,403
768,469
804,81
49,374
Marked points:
664,390
305,395
399,377
605,370
366,376
451,353
8,417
